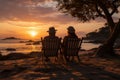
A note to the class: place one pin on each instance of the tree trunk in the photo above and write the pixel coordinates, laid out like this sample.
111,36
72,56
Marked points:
107,49
108,16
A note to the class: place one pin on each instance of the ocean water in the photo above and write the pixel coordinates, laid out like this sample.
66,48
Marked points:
20,48
88,46
23,48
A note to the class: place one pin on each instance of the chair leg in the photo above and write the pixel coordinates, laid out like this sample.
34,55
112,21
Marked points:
78,58
62,58
69,58
43,59
55,59
72,58
64,61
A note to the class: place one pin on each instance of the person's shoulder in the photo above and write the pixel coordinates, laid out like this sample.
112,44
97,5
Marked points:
76,37
46,37
56,37
66,37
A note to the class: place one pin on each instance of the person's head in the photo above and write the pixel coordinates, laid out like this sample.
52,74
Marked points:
52,31
71,30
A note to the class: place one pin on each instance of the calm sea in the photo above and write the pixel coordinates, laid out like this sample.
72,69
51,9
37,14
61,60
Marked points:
23,48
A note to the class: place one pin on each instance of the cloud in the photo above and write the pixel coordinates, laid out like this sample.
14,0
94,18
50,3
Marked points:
31,11
13,9
41,11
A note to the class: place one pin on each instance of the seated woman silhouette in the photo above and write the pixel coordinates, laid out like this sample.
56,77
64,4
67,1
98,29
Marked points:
71,34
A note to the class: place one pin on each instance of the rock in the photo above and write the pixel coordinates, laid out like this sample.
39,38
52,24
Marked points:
16,56
35,54
10,49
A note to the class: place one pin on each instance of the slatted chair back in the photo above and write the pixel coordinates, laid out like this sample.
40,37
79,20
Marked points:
50,47
73,46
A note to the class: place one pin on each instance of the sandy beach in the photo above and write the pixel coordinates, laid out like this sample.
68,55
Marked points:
83,35
90,68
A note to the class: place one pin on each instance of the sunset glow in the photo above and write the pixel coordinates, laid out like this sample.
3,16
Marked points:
26,19
33,33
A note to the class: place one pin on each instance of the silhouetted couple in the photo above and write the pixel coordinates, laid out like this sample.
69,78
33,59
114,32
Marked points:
52,35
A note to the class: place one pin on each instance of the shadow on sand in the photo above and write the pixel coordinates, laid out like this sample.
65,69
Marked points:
70,71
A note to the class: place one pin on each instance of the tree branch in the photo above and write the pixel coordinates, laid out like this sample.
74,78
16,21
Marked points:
114,7
107,15
99,12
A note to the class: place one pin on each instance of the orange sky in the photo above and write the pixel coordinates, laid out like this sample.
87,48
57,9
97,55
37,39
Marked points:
21,18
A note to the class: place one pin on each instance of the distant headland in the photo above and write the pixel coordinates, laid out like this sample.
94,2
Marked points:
11,38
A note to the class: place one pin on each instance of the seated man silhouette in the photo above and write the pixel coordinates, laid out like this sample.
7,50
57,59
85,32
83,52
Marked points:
71,34
52,35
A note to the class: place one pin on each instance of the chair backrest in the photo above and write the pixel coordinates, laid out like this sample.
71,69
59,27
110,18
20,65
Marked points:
50,47
73,46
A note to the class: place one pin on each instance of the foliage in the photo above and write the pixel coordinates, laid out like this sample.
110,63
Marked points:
86,10
98,35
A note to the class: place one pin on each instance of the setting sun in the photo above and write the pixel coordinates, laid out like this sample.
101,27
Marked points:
33,33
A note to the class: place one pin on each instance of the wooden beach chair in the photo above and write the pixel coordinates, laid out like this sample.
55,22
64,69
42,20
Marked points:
72,48
50,48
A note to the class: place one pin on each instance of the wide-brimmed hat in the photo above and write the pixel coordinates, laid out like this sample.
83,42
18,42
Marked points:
52,29
71,29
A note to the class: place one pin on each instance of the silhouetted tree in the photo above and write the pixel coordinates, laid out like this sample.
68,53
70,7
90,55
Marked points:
85,10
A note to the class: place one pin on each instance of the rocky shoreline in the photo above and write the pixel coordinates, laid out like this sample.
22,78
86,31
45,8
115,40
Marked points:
14,56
